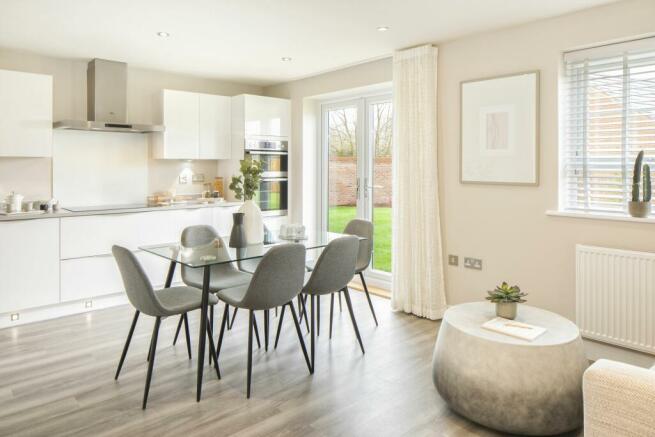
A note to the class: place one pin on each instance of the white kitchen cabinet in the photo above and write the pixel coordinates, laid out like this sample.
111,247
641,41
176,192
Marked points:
29,264
197,126
181,117
130,230
258,117
25,114
214,127
85,278
96,276
267,116
273,223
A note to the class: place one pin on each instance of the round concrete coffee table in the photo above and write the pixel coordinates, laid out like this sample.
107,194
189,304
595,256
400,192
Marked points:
509,384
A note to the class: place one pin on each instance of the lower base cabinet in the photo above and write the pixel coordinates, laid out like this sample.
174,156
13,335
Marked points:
29,264
86,278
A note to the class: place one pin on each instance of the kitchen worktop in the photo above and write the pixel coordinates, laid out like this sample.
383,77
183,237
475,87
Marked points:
127,210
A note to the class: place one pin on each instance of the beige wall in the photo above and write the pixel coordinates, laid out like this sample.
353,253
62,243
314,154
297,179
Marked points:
32,176
507,226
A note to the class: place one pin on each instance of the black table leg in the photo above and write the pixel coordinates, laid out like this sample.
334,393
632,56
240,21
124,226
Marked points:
169,276
203,326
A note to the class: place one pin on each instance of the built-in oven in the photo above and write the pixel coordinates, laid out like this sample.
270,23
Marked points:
274,164
273,195
273,156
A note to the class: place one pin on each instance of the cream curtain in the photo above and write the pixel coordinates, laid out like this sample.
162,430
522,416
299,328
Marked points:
418,281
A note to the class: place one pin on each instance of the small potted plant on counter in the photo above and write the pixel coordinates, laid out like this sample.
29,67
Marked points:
636,207
506,298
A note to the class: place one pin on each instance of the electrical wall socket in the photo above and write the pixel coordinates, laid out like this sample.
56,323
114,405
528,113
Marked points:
473,263
453,260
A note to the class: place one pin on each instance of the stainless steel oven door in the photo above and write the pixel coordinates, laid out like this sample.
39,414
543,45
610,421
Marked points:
273,194
274,164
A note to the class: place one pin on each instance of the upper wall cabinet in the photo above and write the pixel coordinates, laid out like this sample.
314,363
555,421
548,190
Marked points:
197,126
258,117
215,121
25,114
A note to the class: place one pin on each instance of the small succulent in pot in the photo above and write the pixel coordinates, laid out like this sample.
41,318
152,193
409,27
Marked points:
506,297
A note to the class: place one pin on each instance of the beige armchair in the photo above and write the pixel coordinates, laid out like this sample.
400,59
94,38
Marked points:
619,400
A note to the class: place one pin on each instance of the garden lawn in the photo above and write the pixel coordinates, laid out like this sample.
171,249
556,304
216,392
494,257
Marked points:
339,216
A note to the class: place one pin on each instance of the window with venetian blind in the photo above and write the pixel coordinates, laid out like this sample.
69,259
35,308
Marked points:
608,117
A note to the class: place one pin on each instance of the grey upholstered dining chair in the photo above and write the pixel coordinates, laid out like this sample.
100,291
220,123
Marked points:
362,229
221,276
332,272
276,281
167,302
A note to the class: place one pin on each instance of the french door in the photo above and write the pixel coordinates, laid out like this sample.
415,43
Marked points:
357,141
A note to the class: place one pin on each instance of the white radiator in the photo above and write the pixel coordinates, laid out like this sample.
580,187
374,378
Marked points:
615,296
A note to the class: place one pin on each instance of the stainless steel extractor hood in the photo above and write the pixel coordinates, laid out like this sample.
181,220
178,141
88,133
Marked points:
107,101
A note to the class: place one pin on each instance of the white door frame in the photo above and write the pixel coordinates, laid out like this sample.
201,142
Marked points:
364,167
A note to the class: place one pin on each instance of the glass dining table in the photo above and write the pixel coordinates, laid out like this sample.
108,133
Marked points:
216,253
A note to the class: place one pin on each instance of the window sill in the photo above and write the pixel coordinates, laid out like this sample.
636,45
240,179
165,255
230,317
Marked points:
594,216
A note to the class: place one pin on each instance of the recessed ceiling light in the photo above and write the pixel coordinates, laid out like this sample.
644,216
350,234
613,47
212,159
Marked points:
163,34
383,28
285,59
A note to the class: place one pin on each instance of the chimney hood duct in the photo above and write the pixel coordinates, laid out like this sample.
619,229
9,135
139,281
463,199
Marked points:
107,101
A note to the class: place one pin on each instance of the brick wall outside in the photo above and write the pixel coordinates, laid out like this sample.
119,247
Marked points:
343,181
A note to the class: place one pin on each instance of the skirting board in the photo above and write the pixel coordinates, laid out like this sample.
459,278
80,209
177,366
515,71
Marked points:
65,309
595,350
61,310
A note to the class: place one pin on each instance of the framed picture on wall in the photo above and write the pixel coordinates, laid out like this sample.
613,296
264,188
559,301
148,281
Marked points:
499,130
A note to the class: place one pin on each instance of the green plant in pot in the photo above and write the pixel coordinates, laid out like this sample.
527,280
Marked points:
636,207
245,187
506,297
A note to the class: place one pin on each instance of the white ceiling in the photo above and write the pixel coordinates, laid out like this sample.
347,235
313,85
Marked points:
244,40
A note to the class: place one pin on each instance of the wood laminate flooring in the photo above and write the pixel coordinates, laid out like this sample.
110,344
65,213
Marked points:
57,378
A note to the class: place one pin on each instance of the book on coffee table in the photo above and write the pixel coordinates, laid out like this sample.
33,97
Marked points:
514,328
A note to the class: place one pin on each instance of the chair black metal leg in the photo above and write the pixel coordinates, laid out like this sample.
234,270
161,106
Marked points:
234,317
312,332
127,344
259,344
340,309
318,315
149,350
331,311
251,325
151,363
265,330
211,324
302,309
212,349
352,317
188,336
177,331
275,311
279,324
302,342
370,304
224,322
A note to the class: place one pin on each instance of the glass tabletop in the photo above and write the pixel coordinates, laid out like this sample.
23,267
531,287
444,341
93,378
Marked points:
219,252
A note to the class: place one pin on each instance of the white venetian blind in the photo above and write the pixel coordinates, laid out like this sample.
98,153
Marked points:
609,116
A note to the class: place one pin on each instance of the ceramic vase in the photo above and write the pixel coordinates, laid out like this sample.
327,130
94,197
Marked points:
238,234
506,310
253,222
639,209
